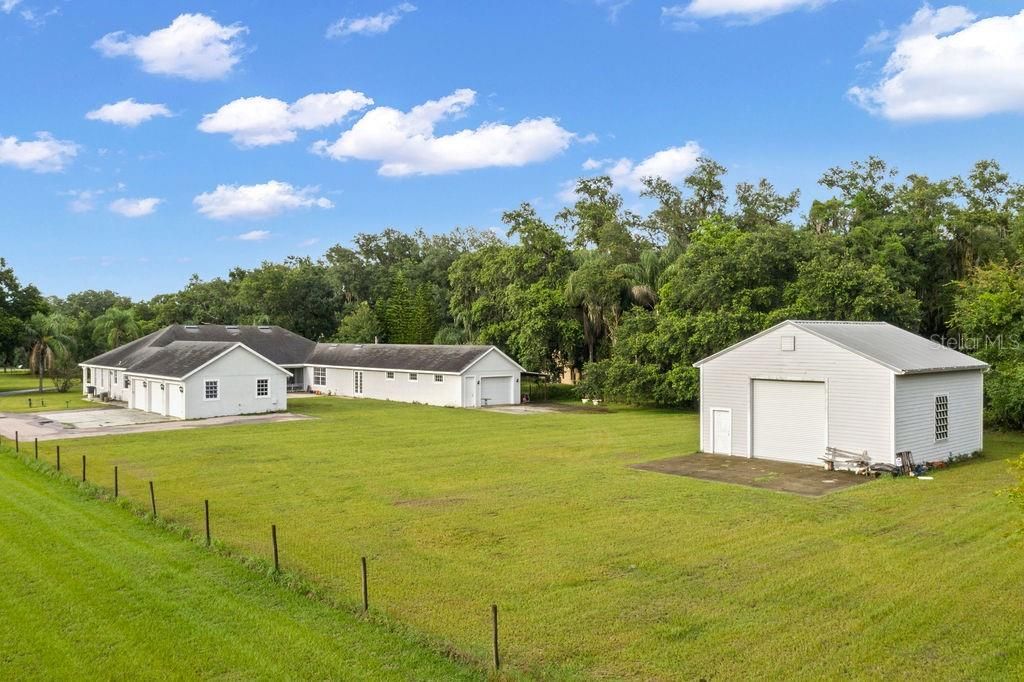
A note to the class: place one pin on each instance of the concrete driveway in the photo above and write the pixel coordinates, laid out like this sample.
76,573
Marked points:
112,421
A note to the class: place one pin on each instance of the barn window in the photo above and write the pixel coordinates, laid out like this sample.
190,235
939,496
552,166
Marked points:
413,376
357,382
787,343
438,378
390,376
319,376
941,417
127,382
262,388
211,389
88,374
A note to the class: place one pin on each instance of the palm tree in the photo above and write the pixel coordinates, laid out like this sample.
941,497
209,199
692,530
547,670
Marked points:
599,291
48,337
116,327
645,276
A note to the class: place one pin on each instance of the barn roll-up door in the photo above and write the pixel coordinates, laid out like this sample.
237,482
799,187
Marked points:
789,419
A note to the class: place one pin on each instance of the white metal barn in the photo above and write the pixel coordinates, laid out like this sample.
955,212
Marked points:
198,371
801,386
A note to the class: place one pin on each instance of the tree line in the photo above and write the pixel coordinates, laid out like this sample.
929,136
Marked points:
630,299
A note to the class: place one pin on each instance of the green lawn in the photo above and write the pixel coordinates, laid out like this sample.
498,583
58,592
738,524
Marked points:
17,379
599,569
46,402
89,592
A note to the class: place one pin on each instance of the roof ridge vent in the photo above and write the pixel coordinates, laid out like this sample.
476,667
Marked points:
264,327
192,327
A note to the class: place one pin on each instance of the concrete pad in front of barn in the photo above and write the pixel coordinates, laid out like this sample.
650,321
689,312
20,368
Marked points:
788,477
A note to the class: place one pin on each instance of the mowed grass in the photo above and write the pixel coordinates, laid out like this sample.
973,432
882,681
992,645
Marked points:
17,380
89,592
600,569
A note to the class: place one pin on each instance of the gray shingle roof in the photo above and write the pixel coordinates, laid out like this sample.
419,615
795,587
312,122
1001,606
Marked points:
278,345
409,357
178,358
901,351
177,350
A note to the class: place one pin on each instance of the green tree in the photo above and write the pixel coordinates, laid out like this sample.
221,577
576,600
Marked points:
360,325
48,336
115,327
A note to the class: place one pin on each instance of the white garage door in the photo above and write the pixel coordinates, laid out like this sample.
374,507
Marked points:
175,401
140,394
495,390
789,420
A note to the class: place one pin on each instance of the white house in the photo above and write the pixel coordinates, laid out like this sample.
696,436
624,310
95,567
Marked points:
197,371
451,376
801,386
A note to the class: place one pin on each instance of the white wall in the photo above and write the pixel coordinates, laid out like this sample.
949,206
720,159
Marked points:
493,364
237,372
375,385
105,381
858,390
915,414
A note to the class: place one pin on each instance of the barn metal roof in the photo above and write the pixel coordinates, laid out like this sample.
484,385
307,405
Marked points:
897,349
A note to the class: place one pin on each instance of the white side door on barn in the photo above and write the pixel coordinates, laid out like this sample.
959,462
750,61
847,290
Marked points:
790,420
721,433
495,390
469,392
176,401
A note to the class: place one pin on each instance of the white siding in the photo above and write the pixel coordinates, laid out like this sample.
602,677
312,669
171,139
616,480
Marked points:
493,364
915,414
237,372
858,389
375,385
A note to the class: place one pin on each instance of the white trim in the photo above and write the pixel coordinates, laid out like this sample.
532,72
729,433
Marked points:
700,402
207,380
484,354
237,345
892,418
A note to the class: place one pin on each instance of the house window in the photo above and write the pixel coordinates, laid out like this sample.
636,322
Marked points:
390,376
127,382
438,378
88,374
357,382
211,390
413,377
319,376
262,388
941,417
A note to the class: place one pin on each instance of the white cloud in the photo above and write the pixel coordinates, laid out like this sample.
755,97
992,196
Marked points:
254,236
257,201
7,6
748,11
946,63
261,121
405,144
135,208
194,46
82,200
672,164
371,25
309,242
45,154
128,112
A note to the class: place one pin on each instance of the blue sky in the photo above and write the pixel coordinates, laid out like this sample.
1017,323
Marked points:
227,165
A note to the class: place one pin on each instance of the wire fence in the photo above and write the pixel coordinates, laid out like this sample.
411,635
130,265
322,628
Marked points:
137,489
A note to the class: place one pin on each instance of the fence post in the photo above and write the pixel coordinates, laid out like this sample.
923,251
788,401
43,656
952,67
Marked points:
35,442
115,481
58,458
83,468
206,504
17,442
273,537
152,498
494,633
366,591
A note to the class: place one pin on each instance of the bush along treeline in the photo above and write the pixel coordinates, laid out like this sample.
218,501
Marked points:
630,299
